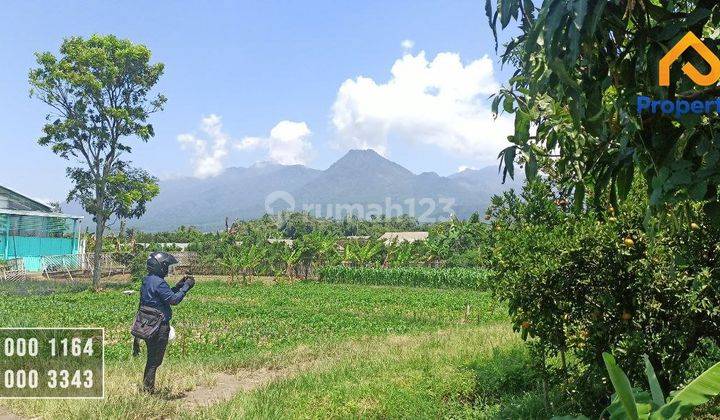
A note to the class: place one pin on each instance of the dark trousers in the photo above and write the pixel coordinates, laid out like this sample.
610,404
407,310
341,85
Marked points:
155,353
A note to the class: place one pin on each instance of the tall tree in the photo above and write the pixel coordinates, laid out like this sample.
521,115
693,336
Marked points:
580,66
99,92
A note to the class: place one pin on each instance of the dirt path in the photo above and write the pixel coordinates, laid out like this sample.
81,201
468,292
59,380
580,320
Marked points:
6,415
227,385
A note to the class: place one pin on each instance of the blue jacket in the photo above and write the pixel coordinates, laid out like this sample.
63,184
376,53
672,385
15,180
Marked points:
156,293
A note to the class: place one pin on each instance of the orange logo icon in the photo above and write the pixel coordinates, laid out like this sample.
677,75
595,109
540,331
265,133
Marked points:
690,41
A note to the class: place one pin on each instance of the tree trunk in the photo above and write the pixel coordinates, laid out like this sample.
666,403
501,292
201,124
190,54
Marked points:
99,230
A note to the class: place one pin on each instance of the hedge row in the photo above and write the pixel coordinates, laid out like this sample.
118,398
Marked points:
465,278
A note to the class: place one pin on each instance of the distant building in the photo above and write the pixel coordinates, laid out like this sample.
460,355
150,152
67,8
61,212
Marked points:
287,242
397,237
179,246
30,230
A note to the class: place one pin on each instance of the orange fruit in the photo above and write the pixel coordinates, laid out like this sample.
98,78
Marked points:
525,325
626,316
694,226
629,242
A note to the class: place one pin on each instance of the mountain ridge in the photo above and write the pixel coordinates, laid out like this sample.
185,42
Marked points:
362,182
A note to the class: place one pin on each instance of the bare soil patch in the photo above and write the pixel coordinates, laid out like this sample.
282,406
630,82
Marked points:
6,415
227,385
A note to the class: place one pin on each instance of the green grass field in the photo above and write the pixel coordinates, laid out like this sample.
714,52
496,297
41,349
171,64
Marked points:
305,350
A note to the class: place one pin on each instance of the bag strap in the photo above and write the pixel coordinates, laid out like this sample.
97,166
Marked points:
140,297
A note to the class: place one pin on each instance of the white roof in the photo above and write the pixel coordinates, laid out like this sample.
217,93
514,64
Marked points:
39,213
288,242
390,237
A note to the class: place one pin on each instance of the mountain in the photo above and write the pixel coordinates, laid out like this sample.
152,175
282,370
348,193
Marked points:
361,182
237,193
487,180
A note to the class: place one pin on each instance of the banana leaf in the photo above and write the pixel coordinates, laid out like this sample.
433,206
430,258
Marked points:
622,386
697,392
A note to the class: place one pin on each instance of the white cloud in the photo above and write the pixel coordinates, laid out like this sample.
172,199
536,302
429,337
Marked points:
462,168
210,150
288,144
248,143
440,102
407,44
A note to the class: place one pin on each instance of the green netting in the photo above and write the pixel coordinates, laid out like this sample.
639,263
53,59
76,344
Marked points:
37,226
24,236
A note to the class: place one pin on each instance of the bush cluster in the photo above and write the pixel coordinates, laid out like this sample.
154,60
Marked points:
613,280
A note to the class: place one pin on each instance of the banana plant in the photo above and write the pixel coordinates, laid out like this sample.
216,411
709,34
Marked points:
250,258
634,404
229,260
400,255
362,255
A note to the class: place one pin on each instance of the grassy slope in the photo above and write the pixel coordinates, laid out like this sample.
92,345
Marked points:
384,353
474,372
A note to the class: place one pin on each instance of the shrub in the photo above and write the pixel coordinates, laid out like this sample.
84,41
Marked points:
585,284
415,276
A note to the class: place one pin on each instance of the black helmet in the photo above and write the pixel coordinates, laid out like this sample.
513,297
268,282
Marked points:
159,263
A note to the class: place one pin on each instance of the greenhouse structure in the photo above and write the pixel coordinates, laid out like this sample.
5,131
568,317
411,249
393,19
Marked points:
31,233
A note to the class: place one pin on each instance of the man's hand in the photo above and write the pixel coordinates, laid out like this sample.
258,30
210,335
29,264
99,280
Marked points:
189,282
181,283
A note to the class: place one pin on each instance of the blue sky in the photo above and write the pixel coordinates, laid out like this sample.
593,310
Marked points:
318,72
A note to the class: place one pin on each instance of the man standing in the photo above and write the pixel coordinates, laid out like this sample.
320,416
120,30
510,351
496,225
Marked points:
156,293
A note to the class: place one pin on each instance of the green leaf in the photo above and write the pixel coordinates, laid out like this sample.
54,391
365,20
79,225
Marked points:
580,9
531,167
509,163
522,127
624,181
622,386
508,103
655,389
697,191
594,18
696,393
505,156
556,12
491,21
495,104
505,6
643,403
579,197
712,211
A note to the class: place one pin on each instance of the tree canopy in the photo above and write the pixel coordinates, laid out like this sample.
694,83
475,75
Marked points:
580,66
98,89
